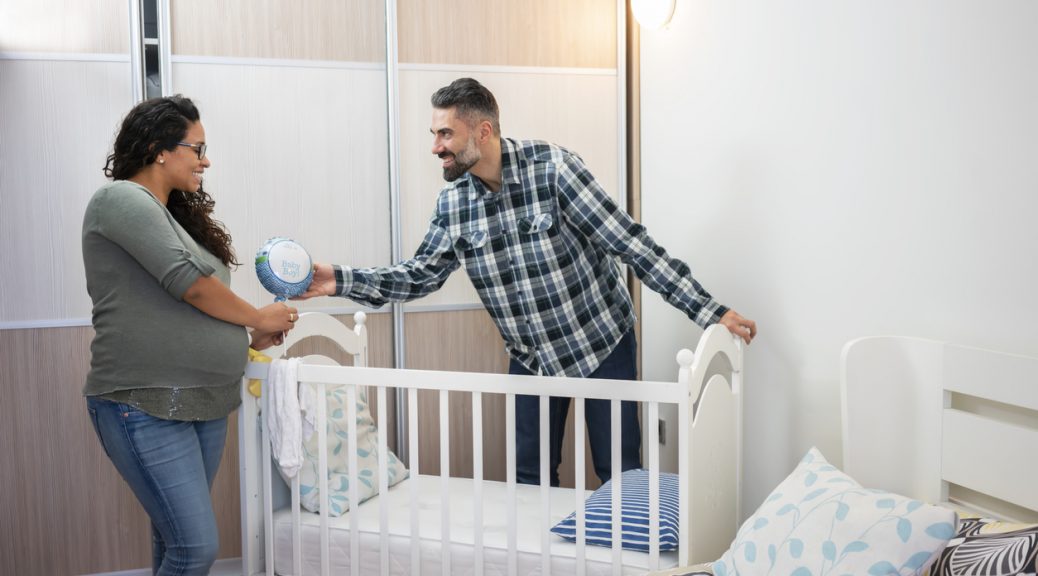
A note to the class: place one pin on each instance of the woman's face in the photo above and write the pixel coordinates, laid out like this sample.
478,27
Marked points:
183,164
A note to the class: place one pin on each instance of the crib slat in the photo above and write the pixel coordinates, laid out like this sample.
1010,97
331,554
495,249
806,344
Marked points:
510,480
412,454
579,482
545,487
617,472
445,476
297,537
383,484
477,483
654,485
684,454
268,499
322,471
351,459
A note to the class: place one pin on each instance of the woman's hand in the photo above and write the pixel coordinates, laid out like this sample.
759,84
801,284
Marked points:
276,317
264,340
209,295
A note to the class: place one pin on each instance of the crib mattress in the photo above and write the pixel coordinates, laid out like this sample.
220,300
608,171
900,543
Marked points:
598,560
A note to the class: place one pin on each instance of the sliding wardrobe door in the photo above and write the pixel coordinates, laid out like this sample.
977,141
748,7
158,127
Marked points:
553,68
64,86
294,101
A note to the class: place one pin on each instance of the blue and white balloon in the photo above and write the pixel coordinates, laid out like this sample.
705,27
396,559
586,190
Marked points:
284,268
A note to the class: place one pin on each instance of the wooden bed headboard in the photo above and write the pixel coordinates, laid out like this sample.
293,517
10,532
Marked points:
939,422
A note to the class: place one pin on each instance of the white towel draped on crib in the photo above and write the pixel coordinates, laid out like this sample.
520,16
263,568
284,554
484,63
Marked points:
290,416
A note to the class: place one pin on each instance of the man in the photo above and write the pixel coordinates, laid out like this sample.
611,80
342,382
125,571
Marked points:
539,239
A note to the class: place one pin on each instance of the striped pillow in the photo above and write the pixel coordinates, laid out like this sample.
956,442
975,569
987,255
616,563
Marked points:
634,513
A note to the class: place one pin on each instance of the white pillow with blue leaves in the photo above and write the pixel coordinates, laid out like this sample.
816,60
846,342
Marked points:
338,464
819,521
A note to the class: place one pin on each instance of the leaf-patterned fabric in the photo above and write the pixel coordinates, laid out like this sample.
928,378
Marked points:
819,521
338,464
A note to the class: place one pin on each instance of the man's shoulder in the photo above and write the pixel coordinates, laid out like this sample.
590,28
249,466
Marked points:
455,192
541,151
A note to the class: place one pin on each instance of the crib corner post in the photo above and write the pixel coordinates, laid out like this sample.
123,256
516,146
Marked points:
251,484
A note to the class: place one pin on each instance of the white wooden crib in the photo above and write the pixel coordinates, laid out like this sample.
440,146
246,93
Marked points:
442,525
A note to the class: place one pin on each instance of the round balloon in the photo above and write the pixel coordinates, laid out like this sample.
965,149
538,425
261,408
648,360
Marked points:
284,268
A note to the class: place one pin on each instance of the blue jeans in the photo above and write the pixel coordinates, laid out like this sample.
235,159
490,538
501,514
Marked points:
621,364
170,466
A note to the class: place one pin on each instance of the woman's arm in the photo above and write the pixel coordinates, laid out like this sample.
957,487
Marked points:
209,295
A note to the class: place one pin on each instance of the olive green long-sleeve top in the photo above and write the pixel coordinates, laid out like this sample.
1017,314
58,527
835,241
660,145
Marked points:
152,349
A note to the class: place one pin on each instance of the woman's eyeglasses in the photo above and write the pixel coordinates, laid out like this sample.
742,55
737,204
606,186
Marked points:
198,148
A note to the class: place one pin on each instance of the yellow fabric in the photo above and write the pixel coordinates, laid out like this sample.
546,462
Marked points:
254,385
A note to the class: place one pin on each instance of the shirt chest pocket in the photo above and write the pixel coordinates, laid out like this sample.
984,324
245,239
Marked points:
536,223
471,240
540,242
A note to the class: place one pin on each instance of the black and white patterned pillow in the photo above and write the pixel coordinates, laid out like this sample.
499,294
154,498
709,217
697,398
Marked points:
990,548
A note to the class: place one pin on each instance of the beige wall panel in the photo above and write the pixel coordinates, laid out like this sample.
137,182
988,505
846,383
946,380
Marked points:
57,121
226,495
91,26
347,30
62,488
464,341
296,152
571,34
577,111
60,485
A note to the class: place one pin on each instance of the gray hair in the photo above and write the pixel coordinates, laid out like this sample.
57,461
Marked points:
472,101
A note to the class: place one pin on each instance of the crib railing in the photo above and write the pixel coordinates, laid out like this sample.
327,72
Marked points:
681,394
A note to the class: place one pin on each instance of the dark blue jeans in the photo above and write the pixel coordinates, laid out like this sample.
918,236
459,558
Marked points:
621,364
170,466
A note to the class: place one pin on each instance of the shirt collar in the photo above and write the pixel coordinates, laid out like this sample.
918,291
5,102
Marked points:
510,165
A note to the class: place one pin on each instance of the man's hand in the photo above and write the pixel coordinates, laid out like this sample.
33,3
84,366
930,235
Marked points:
742,327
323,283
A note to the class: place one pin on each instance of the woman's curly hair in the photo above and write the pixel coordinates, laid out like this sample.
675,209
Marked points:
155,125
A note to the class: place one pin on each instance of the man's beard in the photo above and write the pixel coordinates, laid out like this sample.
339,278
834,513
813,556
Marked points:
463,161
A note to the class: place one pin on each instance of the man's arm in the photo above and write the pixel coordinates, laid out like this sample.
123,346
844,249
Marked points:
587,206
423,274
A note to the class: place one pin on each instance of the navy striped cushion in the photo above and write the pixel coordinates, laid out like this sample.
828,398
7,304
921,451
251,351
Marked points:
634,512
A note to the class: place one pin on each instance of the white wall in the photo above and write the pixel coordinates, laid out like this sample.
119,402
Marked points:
840,169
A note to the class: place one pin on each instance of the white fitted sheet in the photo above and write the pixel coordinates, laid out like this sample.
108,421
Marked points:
598,560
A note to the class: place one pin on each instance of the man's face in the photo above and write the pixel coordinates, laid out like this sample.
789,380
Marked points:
454,142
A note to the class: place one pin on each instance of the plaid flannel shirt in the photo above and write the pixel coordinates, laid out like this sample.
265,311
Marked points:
541,253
